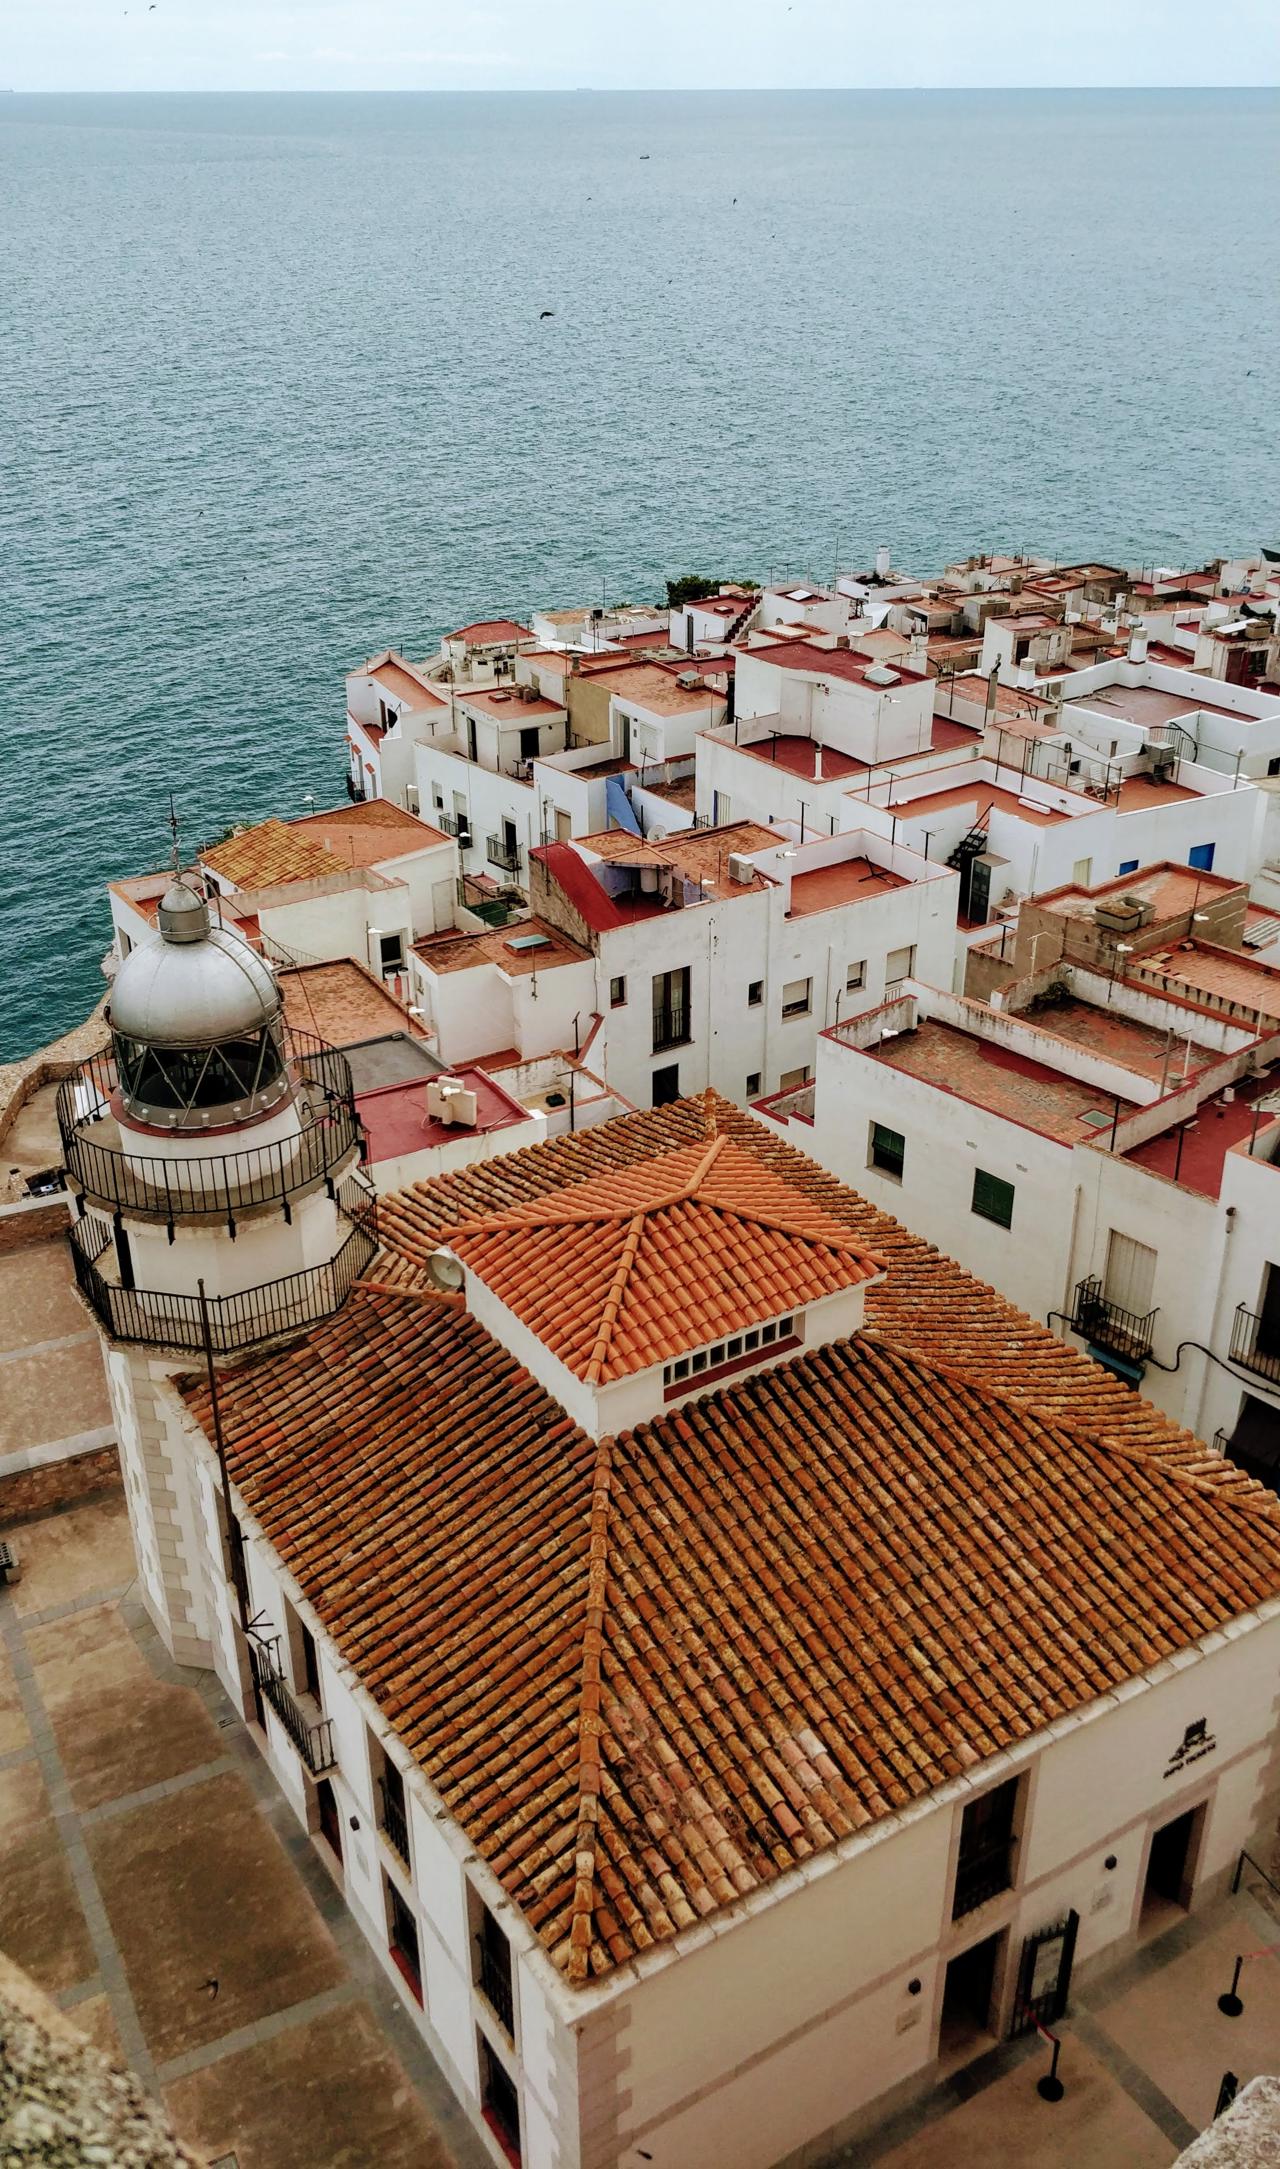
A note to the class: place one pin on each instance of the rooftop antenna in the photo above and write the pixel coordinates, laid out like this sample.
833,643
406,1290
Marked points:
173,831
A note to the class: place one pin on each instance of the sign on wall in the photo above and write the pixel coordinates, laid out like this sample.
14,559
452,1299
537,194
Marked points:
1196,1742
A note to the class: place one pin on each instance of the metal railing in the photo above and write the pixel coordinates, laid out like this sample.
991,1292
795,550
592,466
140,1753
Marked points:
982,1873
167,1189
494,1982
1246,1334
1220,1442
499,853
1108,1326
393,1822
313,1742
155,1318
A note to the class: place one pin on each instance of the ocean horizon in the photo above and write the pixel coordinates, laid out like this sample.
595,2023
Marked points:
278,392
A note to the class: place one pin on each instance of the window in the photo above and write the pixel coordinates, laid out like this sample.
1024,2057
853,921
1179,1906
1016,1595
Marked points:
499,2102
393,1814
617,994
310,1665
755,993
1127,866
1273,766
390,953
493,1969
797,997
753,1083
1081,872
530,741
985,1863
855,976
899,964
887,1150
670,1009
402,1937
721,808
992,1198
666,1085
792,1079
1201,857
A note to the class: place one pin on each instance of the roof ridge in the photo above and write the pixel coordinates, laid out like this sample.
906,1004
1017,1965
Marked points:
761,1218
613,1301
590,1723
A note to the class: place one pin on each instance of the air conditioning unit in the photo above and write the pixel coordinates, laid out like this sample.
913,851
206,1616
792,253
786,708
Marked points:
741,869
687,678
451,1102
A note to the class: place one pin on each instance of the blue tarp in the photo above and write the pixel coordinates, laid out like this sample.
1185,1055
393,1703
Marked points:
619,805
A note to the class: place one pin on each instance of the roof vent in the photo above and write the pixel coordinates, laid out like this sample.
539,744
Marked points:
880,674
687,677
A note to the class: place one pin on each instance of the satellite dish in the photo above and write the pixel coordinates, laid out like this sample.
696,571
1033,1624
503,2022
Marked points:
445,1271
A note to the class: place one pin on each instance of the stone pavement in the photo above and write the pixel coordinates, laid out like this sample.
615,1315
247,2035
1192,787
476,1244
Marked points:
1143,2055
158,1889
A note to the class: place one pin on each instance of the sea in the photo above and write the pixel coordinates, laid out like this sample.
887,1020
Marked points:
279,386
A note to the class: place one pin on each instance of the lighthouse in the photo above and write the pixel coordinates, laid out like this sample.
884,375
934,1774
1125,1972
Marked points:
214,1160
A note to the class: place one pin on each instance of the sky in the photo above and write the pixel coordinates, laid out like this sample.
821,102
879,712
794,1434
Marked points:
108,45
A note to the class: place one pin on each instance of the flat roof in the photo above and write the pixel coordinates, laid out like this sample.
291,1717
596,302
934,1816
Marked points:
849,881
993,1076
508,703
833,663
798,755
1172,891
340,1002
1150,704
1193,1153
527,945
396,1121
1204,969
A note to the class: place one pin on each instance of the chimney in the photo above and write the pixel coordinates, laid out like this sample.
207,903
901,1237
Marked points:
817,760
1138,645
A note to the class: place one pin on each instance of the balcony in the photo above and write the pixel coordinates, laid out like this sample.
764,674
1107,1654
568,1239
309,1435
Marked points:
313,1742
1255,1343
500,853
982,1872
95,1146
1121,1332
155,1318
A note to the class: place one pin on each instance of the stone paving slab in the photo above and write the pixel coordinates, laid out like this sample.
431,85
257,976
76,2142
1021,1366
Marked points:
1094,2126
38,1301
1170,2023
118,1729
15,1732
326,2092
42,1924
96,2020
72,1556
198,1888
52,1393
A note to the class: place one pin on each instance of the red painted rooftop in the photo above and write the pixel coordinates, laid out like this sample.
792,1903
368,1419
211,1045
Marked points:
396,1121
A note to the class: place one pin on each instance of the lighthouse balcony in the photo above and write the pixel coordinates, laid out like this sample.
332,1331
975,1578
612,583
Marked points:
270,1310
194,1179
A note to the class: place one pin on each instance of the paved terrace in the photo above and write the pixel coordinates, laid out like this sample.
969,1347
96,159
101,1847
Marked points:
158,1889
990,1075
1192,1153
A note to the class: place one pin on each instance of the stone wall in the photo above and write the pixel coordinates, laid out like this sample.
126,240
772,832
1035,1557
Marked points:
30,1493
18,1080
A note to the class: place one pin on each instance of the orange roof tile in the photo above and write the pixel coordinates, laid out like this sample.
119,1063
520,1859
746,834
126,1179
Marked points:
319,844
621,1273
650,1676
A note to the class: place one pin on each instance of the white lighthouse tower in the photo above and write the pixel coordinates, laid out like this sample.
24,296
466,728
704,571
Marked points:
214,1157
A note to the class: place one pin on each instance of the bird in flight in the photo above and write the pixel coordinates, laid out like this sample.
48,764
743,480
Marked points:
546,312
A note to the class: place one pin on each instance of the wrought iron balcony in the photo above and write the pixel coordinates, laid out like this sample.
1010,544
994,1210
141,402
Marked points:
313,1742
156,1318
99,1162
494,1981
502,854
1255,1343
1108,1326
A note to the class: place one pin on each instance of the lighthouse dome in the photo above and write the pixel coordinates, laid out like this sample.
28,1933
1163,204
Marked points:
196,1020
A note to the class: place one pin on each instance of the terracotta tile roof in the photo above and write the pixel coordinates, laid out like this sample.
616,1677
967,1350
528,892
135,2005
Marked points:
490,632
650,1676
319,844
622,1272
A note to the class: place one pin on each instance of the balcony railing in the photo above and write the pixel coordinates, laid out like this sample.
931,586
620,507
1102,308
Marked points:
494,1980
981,1874
1221,1441
1108,1326
155,1318
168,1189
313,1742
393,1822
1255,1342
504,854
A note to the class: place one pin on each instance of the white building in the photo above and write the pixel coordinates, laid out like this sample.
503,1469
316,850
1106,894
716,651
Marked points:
1100,1145
708,957
701,1782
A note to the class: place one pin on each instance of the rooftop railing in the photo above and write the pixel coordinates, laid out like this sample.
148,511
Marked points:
163,1188
1255,1343
157,1318
1108,1325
